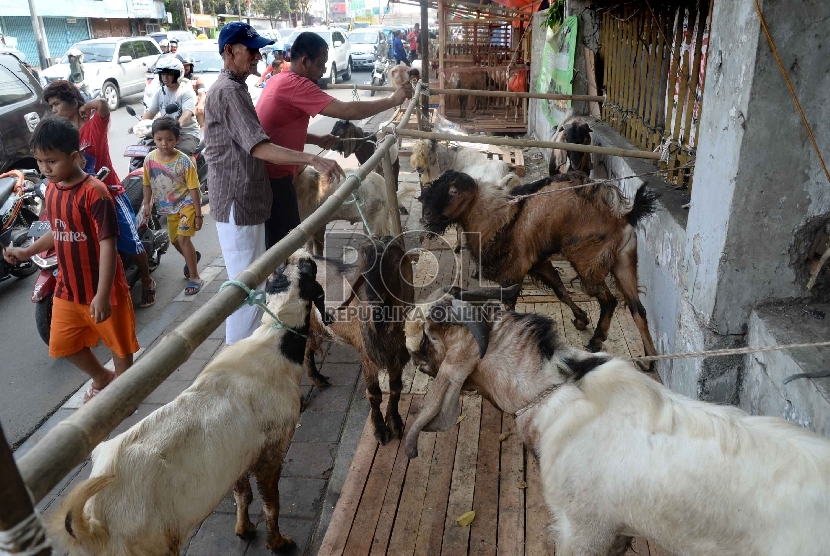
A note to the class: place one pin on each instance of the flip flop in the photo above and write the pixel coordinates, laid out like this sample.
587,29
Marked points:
194,287
145,294
187,270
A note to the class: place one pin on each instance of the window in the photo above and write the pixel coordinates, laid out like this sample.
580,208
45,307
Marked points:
140,49
12,89
126,49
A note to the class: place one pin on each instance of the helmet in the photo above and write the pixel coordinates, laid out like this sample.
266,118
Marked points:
75,52
171,65
164,42
185,59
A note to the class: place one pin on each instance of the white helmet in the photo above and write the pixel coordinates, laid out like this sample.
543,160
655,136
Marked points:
170,64
164,42
75,52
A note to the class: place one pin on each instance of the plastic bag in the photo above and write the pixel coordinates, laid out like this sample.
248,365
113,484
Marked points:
518,83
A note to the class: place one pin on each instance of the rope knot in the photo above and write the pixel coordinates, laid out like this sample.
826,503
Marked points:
258,298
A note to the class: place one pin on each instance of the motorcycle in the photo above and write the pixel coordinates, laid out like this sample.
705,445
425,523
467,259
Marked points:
380,73
153,236
136,153
20,206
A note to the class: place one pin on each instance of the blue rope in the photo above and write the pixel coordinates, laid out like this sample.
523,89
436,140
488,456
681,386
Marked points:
358,201
257,298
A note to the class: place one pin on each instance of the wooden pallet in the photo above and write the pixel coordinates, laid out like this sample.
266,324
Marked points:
513,156
413,120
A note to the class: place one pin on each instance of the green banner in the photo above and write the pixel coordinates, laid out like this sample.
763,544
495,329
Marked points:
556,74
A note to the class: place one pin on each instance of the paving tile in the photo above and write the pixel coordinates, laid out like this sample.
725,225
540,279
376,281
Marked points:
298,529
330,399
206,349
167,391
188,370
309,459
301,497
216,536
319,427
218,334
340,374
50,423
228,504
341,354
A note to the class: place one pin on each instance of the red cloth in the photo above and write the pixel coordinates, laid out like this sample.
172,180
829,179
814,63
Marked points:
94,138
412,37
81,216
287,104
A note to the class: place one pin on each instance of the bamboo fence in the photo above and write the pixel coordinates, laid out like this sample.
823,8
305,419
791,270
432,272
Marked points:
71,441
654,58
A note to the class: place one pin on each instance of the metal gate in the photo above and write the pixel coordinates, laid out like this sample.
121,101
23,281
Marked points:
61,33
21,29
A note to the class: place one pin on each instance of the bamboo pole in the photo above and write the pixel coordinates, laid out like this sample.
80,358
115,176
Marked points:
391,194
507,142
70,442
423,113
442,49
475,93
17,510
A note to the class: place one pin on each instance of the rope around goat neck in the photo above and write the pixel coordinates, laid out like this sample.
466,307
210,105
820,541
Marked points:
358,201
257,298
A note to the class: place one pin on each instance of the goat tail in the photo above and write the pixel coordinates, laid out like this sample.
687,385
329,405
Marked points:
645,204
509,181
75,529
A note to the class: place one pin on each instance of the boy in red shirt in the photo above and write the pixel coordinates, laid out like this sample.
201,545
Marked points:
92,299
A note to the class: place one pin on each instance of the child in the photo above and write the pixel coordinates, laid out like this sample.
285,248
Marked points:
170,179
92,299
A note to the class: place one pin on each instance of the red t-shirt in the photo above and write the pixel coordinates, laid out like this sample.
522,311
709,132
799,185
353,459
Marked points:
412,37
284,109
82,215
94,138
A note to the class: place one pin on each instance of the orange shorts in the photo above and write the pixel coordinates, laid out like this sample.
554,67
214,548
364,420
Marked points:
73,329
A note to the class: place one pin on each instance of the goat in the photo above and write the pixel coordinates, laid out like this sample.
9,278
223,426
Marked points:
573,129
593,227
313,190
430,159
620,455
399,75
467,80
354,140
381,289
151,485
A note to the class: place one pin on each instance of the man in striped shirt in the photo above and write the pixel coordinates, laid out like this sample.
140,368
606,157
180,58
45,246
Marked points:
236,149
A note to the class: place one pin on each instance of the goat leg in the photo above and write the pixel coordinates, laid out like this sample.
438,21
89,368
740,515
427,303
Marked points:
373,392
607,304
243,495
462,107
393,418
546,272
625,273
268,480
310,365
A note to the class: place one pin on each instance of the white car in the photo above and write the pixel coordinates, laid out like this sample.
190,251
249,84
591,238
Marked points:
113,67
207,63
340,52
368,44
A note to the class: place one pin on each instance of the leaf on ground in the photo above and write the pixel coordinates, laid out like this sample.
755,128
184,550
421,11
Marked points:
466,518
504,436
461,418
521,484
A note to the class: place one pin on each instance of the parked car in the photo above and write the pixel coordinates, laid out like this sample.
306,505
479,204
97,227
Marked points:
368,45
21,109
114,67
207,63
276,35
181,36
340,54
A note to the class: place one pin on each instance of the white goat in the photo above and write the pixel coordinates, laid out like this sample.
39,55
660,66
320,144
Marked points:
431,159
151,485
312,191
621,455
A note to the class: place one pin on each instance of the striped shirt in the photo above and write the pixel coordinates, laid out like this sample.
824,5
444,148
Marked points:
232,131
81,216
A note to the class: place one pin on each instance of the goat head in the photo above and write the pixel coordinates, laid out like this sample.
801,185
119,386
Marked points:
445,200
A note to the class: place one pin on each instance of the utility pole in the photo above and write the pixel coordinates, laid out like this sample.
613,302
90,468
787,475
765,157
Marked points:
40,36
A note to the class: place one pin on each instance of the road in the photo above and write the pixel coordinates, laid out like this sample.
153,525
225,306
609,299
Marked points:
34,385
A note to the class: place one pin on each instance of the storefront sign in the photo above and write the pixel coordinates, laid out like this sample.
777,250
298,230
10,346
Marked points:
556,73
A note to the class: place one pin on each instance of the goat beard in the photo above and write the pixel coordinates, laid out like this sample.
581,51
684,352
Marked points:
438,225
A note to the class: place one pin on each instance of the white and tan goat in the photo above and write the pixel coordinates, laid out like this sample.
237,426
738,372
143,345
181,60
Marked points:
621,455
151,485
430,159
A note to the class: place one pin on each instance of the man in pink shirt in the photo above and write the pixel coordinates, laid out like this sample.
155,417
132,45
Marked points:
288,102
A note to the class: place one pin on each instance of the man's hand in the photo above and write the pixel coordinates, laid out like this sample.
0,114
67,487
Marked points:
329,168
403,93
14,255
101,308
130,130
328,141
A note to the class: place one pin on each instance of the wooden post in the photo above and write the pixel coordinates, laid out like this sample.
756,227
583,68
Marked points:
391,193
16,509
423,121
442,48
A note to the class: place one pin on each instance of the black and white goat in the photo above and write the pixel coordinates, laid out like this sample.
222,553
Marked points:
577,130
151,485
620,455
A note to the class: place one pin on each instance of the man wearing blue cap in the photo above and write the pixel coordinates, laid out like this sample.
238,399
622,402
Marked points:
236,149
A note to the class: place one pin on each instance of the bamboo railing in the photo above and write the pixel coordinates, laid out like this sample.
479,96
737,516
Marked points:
654,65
71,441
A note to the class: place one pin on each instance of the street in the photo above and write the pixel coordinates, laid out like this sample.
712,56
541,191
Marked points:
35,385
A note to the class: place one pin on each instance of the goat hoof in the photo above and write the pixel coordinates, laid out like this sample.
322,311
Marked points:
580,324
245,530
395,425
382,434
281,545
594,345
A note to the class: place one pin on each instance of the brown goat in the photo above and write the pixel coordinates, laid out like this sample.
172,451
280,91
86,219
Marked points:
381,290
593,227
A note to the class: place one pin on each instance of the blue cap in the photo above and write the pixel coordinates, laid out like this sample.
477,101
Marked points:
238,32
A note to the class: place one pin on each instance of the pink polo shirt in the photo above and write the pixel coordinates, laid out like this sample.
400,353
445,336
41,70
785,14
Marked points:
284,109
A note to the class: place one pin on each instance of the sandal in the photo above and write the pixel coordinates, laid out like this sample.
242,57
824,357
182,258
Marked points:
194,287
148,297
92,391
187,270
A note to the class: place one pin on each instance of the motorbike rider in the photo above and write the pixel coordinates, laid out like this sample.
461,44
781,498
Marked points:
92,120
164,45
182,96
197,84
174,46
76,70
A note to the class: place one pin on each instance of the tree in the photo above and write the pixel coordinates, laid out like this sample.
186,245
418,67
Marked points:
270,8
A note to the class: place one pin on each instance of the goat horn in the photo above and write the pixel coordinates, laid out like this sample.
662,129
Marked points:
472,318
